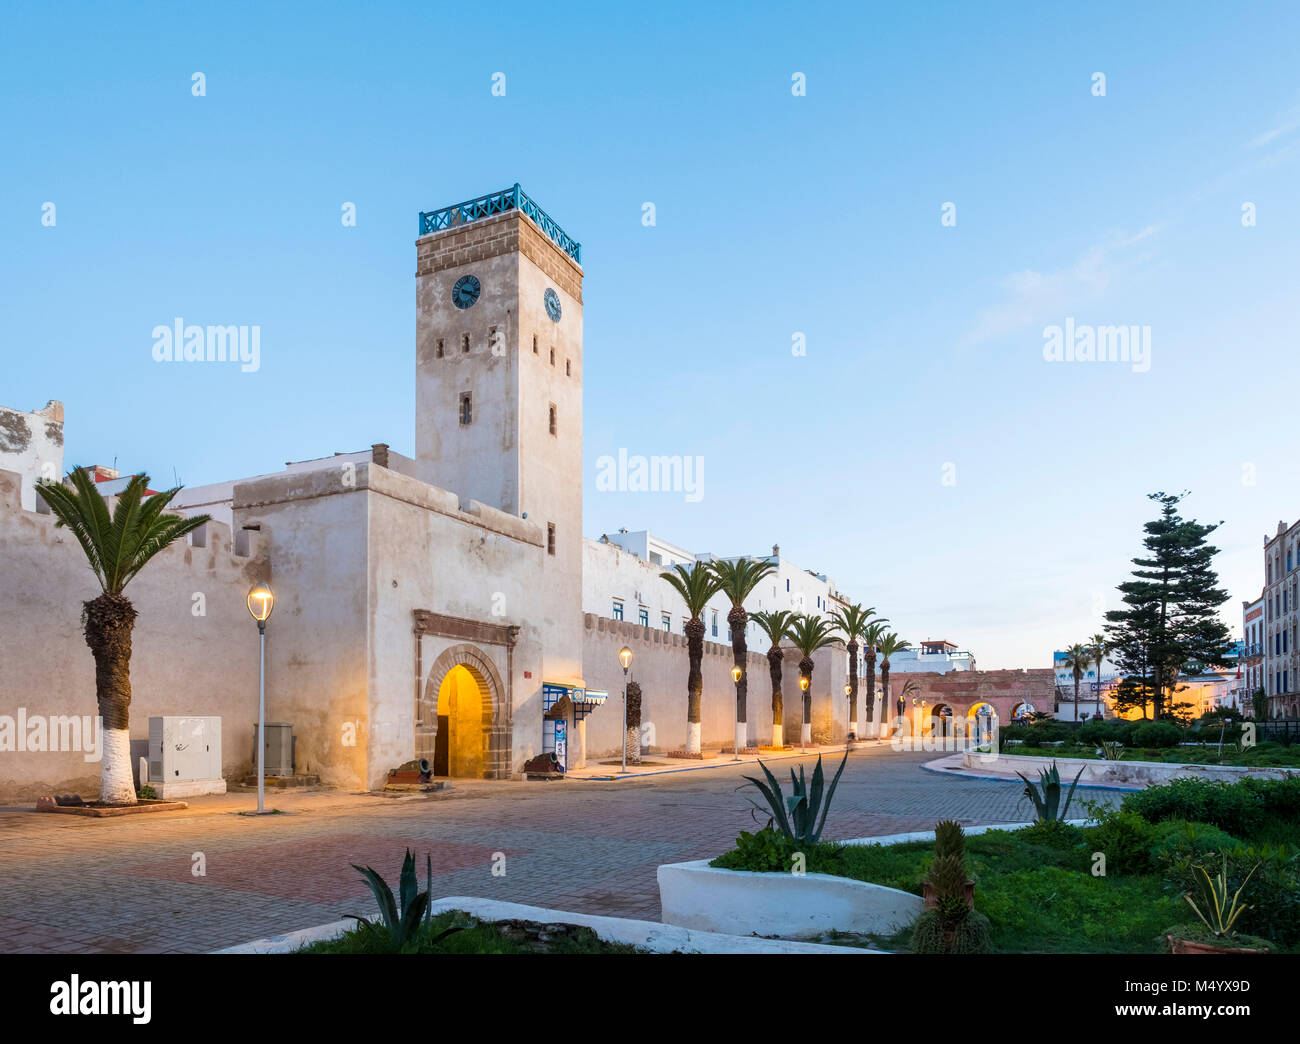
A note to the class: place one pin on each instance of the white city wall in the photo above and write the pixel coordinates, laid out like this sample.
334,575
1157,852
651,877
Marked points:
31,445
182,663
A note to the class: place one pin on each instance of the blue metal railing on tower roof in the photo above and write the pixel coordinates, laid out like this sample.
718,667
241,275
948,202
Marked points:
514,198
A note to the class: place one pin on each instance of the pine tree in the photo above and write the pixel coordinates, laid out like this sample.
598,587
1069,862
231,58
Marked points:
1170,627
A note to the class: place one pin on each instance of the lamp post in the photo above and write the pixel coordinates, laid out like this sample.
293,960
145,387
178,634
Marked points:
736,675
625,658
260,602
803,688
849,737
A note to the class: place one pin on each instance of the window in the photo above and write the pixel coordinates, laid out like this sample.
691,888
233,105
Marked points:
568,367
552,356
440,351
667,622
645,617
787,585
534,344
464,343
466,408
618,608
715,623
553,420
550,538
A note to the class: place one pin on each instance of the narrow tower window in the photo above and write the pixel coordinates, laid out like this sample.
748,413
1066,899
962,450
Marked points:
466,408
552,356
554,424
534,344
440,351
464,343
550,538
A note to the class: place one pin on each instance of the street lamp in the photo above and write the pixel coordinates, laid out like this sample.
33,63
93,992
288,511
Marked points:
850,737
625,658
260,602
736,675
803,687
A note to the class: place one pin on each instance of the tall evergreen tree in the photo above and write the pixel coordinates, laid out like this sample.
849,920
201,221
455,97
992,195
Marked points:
1170,625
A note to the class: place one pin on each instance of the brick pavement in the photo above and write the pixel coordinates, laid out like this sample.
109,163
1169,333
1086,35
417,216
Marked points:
69,884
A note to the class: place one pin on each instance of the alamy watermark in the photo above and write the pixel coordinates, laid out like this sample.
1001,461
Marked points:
634,473
192,343
38,733
1084,343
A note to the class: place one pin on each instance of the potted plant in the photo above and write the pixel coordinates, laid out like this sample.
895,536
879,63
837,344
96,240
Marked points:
1217,913
950,923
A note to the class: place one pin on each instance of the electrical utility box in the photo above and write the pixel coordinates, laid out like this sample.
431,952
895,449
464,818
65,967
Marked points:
277,754
185,756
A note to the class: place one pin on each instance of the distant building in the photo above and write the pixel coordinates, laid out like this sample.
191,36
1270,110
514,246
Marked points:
1093,689
936,655
1281,560
1251,663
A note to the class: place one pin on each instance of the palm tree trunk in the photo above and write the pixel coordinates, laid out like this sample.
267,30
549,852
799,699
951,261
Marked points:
775,659
870,657
1096,704
884,691
806,669
737,620
694,682
853,689
1077,678
108,623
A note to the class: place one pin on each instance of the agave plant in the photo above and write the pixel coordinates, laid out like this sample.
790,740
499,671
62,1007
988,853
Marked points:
1220,912
802,815
1046,794
402,916
1112,750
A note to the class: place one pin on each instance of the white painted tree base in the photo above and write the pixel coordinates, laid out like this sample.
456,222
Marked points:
116,784
740,737
778,736
692,737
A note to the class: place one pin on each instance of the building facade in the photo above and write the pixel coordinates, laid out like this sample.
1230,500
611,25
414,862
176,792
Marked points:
1281,561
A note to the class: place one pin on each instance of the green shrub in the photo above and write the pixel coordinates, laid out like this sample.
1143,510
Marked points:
1052,833
1158,734
1254,809
765,851
1096,732
1272,894
1125,838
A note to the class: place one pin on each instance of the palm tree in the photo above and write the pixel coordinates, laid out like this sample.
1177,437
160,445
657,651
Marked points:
871,636
852,622
889,645
1077,659
1099,648
736,580
696,586
909,688
776,625
117,548
809,633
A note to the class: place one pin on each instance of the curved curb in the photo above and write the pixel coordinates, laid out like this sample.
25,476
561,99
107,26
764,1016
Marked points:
993,777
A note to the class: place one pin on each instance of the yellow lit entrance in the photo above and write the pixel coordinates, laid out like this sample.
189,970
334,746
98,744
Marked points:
458,749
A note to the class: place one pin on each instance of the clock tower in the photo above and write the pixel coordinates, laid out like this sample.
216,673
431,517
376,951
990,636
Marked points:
498,294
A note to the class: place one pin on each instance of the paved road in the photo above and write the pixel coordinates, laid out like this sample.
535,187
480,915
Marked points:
70,884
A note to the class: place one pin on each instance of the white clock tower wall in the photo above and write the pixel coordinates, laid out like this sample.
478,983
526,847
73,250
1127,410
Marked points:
521,365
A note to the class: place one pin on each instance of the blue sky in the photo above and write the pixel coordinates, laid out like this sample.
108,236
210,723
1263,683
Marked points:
775,215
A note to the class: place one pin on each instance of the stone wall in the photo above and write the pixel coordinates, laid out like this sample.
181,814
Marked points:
962,690
194,648
661,665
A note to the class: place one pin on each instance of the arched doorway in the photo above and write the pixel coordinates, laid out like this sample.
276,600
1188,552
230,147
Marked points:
458,743
940,718
458,714
981,719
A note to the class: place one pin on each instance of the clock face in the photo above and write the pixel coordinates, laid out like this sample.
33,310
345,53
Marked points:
553,305
466,291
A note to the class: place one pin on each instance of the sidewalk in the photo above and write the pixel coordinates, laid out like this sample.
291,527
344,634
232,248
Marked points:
607,770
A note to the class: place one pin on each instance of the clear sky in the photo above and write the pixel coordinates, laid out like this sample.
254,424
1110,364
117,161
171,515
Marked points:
922,452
